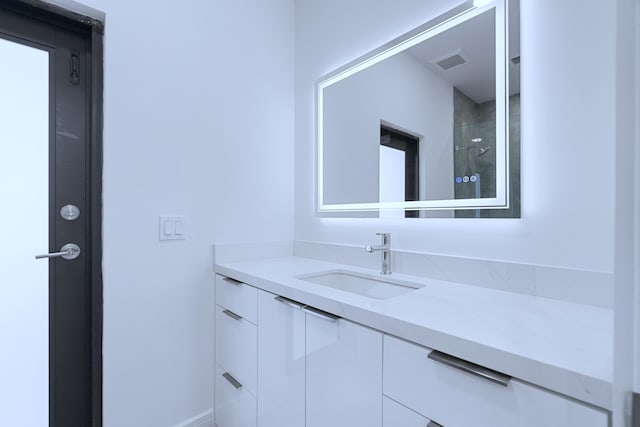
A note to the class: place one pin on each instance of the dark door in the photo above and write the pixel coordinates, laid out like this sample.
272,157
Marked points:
50,373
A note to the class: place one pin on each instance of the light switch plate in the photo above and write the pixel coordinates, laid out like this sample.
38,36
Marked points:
172,227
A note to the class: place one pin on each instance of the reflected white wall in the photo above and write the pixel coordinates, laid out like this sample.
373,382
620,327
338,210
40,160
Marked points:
391,179
399,92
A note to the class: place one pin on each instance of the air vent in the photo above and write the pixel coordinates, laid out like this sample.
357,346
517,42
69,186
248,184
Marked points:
515,60
451,60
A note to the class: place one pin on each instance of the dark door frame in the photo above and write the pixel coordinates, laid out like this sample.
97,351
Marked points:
407,143
93,32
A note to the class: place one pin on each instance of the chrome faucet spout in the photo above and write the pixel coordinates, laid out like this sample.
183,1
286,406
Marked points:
385,248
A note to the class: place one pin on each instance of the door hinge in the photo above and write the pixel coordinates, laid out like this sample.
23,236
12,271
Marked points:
74,69
635,409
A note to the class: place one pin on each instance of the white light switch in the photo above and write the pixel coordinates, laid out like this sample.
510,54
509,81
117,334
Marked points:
168,226
179,227
172,227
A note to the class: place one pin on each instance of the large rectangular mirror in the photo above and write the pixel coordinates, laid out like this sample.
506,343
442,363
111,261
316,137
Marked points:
423,123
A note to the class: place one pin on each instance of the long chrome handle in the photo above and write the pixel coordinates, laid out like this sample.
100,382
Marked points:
434,424
232,314
68,251
472,368
307,309
53,255
234,382
232,281
291,303
321,314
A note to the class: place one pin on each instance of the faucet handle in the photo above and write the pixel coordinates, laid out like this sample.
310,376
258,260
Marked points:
386,237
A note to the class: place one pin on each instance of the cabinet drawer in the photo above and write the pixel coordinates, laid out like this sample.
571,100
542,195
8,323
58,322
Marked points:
234,407
237,348
455,398
238,297
396,415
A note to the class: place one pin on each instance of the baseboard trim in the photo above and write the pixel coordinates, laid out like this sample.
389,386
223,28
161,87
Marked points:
203,419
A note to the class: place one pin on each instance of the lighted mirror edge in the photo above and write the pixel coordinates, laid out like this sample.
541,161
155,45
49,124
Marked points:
456,204
447,20
502,101
431,28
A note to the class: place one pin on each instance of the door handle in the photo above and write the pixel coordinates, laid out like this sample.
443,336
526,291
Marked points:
68,251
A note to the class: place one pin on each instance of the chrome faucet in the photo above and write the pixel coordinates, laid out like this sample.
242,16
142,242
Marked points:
385,248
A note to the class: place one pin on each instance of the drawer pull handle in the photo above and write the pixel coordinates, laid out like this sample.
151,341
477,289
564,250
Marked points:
321,314
232,314
307,309
234,382
472,368
434,424
289,302
232,281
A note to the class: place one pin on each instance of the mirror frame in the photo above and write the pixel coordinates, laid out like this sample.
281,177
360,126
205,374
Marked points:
424,32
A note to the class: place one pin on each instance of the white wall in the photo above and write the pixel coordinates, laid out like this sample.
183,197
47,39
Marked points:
568,129
627,247
399,91
198,122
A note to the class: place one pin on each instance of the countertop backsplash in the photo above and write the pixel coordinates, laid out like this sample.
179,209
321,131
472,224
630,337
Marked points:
577,286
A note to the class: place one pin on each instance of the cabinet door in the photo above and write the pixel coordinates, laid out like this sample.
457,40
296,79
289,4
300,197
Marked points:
455,398
281,362
344,374
396,415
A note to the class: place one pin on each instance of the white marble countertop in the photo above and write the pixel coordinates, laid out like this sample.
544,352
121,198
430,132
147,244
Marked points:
560,346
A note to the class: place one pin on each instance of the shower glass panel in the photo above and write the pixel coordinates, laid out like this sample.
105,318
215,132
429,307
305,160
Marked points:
24,215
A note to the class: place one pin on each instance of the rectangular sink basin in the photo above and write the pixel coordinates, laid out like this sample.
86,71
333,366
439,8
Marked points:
371,286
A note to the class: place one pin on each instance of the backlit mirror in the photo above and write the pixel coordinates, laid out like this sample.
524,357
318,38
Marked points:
424,123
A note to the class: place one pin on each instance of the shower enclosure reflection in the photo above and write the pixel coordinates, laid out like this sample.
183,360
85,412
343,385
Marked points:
474,155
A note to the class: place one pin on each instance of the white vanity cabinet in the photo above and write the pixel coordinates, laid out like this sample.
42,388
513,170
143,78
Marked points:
315,369
281,362
236,354
455,398
344,373
396,415
234,406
